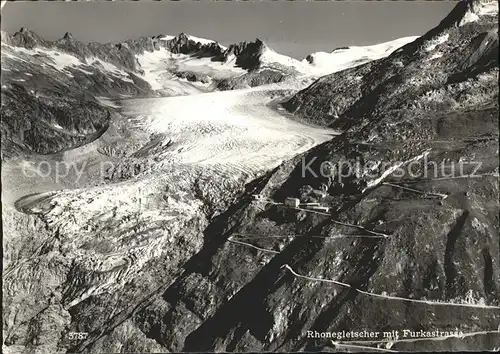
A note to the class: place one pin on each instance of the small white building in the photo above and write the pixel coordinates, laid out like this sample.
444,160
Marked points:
292,202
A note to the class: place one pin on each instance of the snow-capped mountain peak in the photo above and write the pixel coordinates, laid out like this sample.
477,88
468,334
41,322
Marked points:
68,36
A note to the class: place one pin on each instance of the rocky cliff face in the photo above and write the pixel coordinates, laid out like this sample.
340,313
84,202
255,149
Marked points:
258,78
429,236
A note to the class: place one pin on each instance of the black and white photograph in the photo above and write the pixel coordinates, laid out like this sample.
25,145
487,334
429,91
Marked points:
250,176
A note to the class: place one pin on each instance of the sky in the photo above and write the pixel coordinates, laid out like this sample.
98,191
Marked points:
295,28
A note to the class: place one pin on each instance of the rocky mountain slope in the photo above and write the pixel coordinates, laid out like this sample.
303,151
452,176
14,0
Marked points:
181,257
55,86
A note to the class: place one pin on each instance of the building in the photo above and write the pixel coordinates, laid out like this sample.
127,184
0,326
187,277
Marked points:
292,202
